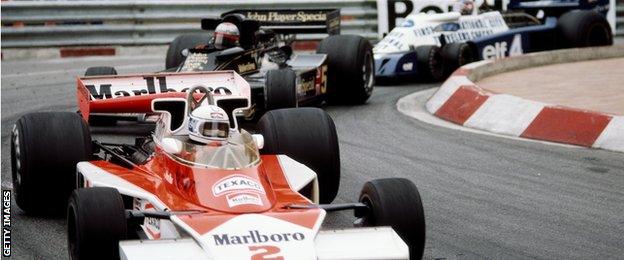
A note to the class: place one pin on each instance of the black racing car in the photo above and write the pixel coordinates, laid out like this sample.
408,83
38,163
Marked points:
340,71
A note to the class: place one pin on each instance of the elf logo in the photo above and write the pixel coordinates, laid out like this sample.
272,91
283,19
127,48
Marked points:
501,49
255,237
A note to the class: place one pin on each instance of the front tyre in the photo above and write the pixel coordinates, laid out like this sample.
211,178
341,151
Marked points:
455,55
351,69
396,202
307,135
281,89
186,41
100,71
429,63
45,148
96,221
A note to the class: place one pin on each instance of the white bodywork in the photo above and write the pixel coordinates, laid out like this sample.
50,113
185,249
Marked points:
357,243
174,239
423,29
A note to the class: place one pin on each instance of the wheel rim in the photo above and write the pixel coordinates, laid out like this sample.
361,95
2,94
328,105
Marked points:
17,159
367,73
369,219
435,64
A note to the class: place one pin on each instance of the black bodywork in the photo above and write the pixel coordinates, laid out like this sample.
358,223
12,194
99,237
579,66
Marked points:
265,42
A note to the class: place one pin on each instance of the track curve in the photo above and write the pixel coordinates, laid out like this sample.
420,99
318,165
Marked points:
484,196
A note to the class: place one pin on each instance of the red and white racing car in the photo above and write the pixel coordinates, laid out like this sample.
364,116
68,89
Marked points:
165,196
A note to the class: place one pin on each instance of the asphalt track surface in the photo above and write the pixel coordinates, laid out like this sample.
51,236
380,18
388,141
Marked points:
484,196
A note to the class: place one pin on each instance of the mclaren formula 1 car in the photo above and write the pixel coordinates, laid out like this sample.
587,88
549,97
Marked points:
165,196
432,46
341,70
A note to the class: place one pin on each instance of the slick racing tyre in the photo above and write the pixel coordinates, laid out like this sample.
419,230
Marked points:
100,71
307,135
351,70
96,221
583,28
180,43
429,63
281,89
455,55
45,148
396,202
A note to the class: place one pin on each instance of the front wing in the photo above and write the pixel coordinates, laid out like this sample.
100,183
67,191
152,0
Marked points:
389,65
357,243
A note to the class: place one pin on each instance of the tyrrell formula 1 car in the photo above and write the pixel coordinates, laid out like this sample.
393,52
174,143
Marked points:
169,196
432,46
341,70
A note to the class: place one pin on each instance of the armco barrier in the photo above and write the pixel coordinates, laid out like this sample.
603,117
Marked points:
74,23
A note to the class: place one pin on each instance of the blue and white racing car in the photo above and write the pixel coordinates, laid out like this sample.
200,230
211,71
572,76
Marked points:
432,46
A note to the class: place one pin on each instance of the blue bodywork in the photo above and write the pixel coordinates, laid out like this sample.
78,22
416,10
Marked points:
395,64
530,38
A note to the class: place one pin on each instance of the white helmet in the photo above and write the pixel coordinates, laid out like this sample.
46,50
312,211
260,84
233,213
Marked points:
226,35
208,123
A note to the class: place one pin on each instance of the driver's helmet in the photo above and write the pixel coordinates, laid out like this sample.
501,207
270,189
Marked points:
208,124
465,7
226,35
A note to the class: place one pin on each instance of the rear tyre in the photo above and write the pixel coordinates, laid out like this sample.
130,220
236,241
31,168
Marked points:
180,43
455,55
96,222
101,120
307,135
351,70
583,28
45,148
429,63
396,202
100,71
281,89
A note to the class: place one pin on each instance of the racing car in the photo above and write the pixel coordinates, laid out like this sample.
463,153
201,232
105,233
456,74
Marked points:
200,186
432,46
341,70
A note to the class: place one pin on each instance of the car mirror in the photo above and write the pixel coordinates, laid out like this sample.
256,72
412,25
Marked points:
171,145
259,139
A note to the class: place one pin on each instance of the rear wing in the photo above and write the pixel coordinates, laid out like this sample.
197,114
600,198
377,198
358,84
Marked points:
282,21
134,93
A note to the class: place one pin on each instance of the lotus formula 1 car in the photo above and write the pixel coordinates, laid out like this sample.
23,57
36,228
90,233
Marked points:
432,46
167,196
341,70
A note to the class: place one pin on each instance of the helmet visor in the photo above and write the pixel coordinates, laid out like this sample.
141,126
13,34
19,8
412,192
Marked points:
215,129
